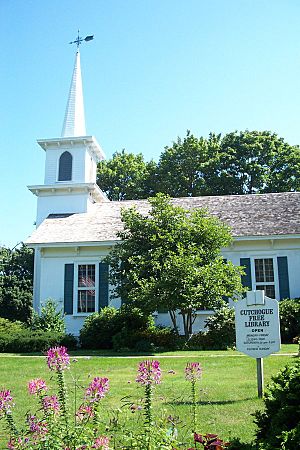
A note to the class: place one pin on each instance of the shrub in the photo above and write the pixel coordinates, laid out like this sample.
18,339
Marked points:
289,312
97,330
221,328
199,341
278,424
132,319
16,337
7,326
130,323
112,328
160,338
149,340
27,341
69,341
50,319
220,333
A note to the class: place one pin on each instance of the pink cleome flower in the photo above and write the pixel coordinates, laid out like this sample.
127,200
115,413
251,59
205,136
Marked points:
37,426
58,358
14,443
6,401
84,412
50,403
101,442
36,386
97,389
193,371
148,373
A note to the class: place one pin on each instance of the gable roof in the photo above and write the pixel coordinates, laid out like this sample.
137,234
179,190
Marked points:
254,215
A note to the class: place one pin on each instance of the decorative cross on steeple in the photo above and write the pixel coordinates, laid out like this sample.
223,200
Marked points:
79,39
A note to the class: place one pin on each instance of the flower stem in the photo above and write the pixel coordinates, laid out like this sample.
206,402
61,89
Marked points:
194,413
62,395
11,424
96,416
148,414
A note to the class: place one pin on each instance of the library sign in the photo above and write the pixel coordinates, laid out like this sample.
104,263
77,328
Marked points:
257,325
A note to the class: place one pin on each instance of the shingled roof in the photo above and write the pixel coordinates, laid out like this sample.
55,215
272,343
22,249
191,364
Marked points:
255,215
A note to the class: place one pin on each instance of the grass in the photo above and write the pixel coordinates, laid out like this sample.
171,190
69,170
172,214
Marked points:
227,392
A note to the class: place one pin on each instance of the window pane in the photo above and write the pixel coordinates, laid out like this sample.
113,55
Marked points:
86,301
259,270
269,290
269,271
81,301
90,301
264,270
86,275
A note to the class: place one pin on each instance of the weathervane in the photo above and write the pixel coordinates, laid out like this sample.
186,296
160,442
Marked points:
79,39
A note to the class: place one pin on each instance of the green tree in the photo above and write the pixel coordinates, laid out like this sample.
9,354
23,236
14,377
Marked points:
126,176
182,168
249,162
16,281
171,259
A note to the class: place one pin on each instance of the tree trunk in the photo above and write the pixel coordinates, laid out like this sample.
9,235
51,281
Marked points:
188,320
173,319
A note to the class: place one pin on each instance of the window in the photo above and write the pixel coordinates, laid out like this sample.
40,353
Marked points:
264,276
86,288
65,167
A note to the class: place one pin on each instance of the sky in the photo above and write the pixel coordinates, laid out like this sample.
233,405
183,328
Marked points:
155,69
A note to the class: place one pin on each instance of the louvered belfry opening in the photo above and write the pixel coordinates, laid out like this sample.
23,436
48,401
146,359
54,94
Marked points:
65,167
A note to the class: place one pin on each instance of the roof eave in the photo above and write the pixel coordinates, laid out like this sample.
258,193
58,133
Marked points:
36,245
266,237
115,241
89,141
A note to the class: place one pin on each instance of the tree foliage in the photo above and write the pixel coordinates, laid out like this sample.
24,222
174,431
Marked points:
126,176
249,162
243,162
16,280
182,168
171,259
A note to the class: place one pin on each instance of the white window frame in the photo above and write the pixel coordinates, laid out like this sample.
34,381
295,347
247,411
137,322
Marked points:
75,303
265,283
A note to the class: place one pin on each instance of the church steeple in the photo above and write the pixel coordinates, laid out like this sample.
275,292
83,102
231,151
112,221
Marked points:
74,122
71,160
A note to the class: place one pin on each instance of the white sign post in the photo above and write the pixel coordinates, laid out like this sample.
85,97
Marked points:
257,329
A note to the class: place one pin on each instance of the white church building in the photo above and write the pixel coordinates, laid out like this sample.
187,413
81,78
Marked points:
77,227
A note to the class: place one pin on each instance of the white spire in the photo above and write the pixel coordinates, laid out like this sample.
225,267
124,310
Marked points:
74,123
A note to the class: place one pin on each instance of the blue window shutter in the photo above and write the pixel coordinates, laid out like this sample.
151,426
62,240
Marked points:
68,288
103,285
283,277
246,279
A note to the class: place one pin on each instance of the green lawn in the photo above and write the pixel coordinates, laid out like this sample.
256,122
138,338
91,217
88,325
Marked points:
227,391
